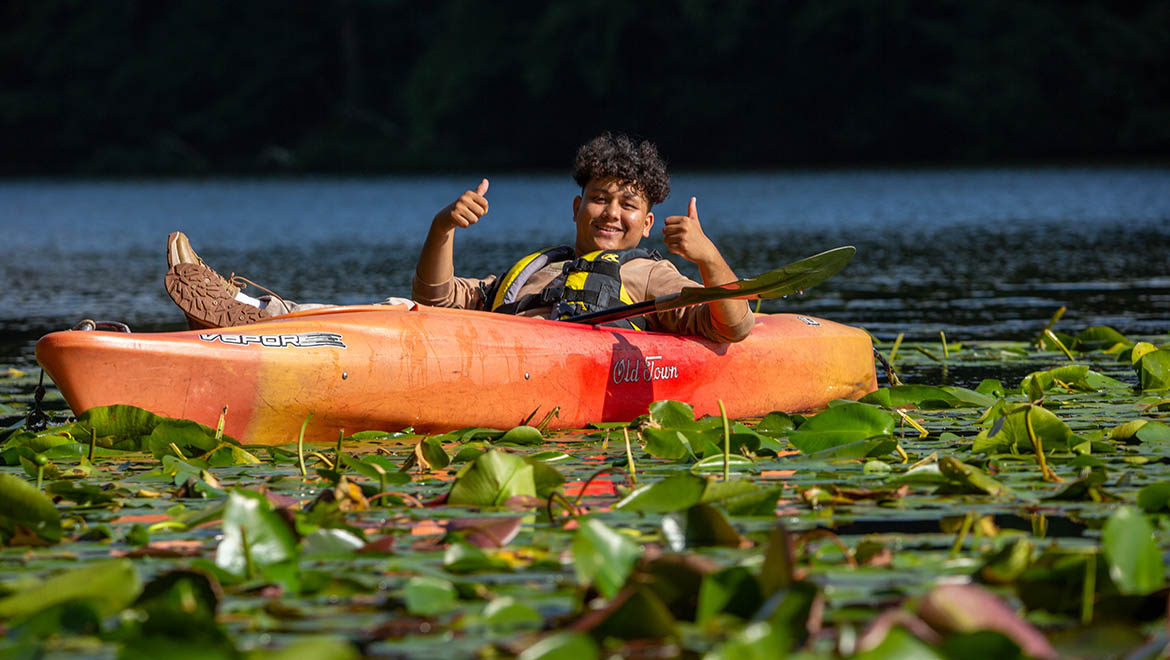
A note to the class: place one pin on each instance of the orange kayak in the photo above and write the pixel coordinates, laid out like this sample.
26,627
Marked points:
387,368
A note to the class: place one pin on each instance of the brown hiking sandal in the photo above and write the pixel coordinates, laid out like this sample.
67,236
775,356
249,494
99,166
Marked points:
208,299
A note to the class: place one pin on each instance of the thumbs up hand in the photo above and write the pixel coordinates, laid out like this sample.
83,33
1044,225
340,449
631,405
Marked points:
684,236
465,211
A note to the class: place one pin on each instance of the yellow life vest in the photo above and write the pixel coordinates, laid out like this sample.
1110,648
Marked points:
588,283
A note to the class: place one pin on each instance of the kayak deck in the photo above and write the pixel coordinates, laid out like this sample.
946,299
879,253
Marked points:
386,367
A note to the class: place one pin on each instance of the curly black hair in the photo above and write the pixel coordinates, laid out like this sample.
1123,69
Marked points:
618,156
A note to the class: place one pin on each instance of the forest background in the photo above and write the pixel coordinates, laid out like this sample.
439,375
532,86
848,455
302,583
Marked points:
184,87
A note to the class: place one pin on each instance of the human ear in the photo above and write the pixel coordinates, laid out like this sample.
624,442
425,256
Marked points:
649,224
576,206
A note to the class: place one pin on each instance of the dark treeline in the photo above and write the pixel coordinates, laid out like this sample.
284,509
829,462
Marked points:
202,86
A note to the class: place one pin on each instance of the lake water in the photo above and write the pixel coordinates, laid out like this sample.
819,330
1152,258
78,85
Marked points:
983,253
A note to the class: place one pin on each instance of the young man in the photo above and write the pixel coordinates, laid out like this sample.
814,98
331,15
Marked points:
621,180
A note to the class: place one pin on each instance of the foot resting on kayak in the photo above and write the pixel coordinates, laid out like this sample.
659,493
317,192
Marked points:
210,300
207,298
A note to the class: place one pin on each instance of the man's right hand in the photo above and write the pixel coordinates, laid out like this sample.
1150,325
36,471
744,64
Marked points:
465,211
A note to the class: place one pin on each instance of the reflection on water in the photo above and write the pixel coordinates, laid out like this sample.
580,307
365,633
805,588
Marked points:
979,253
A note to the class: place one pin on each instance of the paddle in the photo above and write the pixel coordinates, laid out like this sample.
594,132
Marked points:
793,278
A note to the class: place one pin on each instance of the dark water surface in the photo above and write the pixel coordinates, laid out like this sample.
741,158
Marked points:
981,254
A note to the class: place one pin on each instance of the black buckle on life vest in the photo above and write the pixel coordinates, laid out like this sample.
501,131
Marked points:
611,268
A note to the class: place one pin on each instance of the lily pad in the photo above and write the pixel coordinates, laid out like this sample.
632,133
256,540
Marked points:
602,556
491,479
1153,370
701,525
1012,431
430,596
111,585
254,536
842,425
1135,560
21,504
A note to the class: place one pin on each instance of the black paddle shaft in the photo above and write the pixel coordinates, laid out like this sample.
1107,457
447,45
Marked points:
793,278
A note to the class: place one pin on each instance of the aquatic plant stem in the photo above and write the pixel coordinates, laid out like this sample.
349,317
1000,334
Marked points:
555,412
629,459
337,452
922,432
1039,525
968,521
1056,317
897,343
92,442
1059,344
301,447
219,426
585,485
249,567
891,377
557,497
406,497
803,539
1046,472
381,477
726,442
324,459
1089,590
943,338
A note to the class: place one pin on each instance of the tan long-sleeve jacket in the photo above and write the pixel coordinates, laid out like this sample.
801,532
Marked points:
644,279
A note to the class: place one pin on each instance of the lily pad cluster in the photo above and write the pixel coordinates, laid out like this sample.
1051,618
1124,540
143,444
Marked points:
1020,513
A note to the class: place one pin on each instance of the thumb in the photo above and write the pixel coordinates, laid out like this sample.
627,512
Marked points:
483,188
693,211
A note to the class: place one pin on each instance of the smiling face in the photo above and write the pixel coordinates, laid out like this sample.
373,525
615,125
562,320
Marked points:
610,215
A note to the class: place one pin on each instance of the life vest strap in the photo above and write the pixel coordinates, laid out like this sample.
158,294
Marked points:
587,283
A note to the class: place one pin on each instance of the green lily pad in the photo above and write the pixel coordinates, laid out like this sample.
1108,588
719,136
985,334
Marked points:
522,435
842,425
969,478
926,396
1141,431
673,493
563,646
111,585
430,596
670,444
1075,376
776,423
734,590
491,479
700,526
1012,431
1154,497
1153,370
602,556
22,504
461,558
1135,560
430,453
672,415
254,536
1100,338
505,614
